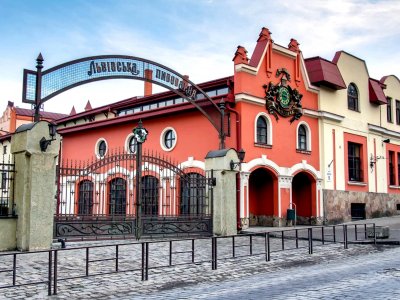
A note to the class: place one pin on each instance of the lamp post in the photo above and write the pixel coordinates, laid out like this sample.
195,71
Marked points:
140,134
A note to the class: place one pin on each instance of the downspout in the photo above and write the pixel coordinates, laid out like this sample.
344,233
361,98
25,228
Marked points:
238,147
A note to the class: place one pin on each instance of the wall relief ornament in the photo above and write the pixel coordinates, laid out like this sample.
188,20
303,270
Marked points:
282,99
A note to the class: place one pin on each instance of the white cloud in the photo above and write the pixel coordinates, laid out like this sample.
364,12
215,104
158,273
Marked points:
201,43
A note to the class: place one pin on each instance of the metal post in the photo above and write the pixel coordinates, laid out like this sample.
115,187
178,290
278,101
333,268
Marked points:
170,253
233,246
283,240
192,250
374,234
251,245
345,236
116,258
297,239
221,131
365,231
87,261
355,231
38,94
310,242
323,236
334,234
143,261
147,261
55,278
140,135
14,268
268,247
50,270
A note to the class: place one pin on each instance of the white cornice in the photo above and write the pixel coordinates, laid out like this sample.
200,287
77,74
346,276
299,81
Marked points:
323,115
248,98
383,130
246,68
284,50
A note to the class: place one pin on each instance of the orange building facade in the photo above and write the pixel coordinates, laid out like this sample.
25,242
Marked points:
265,102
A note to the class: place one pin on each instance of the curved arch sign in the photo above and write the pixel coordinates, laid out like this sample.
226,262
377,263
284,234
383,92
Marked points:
39,86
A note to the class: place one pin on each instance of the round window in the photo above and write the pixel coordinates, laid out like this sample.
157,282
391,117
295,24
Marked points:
169,139
102,148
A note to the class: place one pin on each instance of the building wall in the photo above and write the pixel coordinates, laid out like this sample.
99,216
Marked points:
338,205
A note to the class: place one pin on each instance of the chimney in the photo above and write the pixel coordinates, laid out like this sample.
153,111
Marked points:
148,86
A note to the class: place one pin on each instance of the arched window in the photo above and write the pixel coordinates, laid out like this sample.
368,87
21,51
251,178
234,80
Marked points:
262,131
150,187
302,138
85,201
117,197
352,97
193,195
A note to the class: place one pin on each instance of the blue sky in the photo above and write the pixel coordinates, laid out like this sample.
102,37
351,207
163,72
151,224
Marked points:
194,37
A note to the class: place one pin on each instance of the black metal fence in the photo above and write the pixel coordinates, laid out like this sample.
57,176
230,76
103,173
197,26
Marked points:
7,171
102,198
59,265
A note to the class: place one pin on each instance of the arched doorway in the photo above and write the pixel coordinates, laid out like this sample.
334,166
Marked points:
262,197
303,196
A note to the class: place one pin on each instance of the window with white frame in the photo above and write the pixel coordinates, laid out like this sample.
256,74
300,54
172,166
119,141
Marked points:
303,137
262,130
101,148
168,139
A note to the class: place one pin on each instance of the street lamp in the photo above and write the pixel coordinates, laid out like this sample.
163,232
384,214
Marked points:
241,155
44,143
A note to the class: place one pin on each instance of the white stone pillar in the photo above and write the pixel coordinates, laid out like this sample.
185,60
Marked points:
35,185
224,202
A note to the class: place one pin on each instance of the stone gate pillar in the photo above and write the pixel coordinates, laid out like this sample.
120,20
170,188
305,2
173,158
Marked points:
224,205
35,185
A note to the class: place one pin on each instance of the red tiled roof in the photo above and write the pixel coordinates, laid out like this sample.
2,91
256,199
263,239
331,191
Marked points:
43,114
323,72
376,94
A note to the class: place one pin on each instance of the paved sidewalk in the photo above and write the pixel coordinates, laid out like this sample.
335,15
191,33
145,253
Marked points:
392,222
127,285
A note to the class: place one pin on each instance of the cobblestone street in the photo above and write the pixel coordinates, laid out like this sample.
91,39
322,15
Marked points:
375,275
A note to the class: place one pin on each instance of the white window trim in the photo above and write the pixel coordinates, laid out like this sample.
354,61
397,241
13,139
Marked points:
308,133
96,147
162,136
269,127
127,144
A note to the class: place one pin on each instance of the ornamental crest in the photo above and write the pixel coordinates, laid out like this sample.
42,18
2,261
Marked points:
282,99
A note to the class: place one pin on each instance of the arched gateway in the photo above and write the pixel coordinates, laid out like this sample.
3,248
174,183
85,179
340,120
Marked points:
38,86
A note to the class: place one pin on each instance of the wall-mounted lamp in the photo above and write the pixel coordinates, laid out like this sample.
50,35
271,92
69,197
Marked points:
45,143
241,155
373,160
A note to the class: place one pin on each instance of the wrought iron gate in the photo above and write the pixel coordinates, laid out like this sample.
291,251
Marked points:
97,199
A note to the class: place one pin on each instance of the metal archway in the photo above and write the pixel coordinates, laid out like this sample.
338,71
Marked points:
38,86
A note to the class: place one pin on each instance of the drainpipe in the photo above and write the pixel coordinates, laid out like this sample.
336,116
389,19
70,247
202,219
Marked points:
238,146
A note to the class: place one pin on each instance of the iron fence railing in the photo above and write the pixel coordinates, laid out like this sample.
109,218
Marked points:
7,171
58,265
